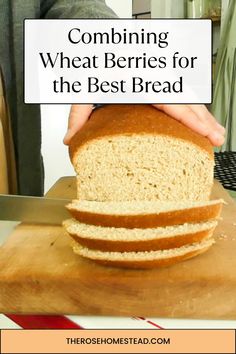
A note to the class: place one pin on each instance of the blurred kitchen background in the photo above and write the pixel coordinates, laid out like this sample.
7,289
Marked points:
213,9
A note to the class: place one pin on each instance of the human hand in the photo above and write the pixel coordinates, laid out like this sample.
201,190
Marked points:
197,118
79,114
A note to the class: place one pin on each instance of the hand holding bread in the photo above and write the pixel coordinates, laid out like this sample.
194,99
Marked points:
196,117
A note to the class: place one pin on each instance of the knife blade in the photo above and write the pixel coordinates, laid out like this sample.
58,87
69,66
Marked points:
33,209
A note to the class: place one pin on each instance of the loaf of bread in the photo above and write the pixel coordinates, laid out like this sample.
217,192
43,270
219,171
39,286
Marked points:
135,240
144,214
143,260
136,153
143,187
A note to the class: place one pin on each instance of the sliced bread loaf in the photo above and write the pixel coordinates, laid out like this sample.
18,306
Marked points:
141,260
128,240
136,152
145,214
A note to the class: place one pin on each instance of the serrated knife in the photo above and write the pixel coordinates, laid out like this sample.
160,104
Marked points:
37,210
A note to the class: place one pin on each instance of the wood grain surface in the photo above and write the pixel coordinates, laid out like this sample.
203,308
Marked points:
39,274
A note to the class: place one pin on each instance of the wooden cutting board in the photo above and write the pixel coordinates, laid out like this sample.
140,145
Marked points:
40,274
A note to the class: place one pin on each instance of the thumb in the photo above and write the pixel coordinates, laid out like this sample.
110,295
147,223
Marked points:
79,114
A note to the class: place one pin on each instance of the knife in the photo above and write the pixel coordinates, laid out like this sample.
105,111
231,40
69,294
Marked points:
33,209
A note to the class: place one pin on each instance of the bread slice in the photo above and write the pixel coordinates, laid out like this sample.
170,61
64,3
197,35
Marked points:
136,152
144,259
128,240
145,214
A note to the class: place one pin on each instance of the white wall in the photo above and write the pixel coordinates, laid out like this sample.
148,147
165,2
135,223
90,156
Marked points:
54,119
123,8
167,8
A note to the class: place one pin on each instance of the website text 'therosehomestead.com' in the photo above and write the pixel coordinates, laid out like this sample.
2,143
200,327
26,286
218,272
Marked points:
121,340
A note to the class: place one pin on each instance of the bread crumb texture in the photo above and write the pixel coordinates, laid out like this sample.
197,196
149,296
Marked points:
75,227
141,256
137,208
128,168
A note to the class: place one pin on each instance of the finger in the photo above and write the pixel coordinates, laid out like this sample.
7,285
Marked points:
216,138
185,115
207,117
216,131
79,114
188,117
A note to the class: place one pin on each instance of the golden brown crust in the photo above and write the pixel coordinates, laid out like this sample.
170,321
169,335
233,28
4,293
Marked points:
145,245
124,119
176,217
150,263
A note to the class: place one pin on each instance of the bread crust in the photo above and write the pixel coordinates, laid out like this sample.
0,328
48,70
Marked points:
167,242
150,263
111,120
143,221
